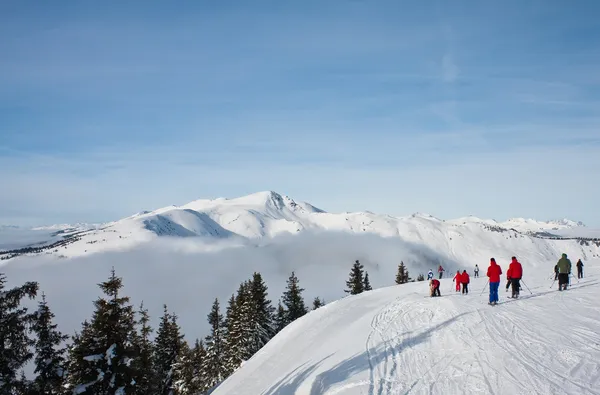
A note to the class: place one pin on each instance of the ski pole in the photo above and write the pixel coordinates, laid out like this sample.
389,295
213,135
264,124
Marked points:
551,285
486,284
527,287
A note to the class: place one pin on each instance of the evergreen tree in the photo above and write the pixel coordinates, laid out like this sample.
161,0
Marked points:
262,315
420,277
198,356
402,276
367,283
235,343
355,283
214,367
183,372
280,318
49,356
293,300
102,355
143,364
167,346
15,343
317,303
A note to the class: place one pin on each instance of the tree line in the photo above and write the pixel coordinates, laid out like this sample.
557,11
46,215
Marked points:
114,353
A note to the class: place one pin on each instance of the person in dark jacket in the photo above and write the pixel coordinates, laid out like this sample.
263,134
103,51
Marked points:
564,269
579,269
514,274
555,272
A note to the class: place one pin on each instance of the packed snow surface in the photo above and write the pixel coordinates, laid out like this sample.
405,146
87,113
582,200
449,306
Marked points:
398,340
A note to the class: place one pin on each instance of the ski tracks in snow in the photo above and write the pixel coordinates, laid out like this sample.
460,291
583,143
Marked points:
394,345
427,346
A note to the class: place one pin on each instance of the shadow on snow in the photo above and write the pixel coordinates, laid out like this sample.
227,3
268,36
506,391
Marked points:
341,372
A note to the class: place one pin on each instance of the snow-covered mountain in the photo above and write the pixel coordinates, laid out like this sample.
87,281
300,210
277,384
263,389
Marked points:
398,340
267,214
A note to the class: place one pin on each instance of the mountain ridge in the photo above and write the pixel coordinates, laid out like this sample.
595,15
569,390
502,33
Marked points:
268,214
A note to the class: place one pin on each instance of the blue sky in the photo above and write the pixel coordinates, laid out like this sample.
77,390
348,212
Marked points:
487,108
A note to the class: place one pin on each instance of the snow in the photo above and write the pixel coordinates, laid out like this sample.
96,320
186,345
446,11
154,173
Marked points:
398,340
92,358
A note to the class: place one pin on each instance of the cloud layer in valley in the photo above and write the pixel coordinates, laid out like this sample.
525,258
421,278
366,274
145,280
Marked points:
183,275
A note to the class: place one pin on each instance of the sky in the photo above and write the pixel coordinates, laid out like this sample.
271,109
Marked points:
486,108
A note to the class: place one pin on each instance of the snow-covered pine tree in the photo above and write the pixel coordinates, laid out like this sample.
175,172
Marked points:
183,372
167,346
233,336
367,283
143,364
198,356
262,324
293,300
15,342
355,283
214,368
49,353
102,355
280,318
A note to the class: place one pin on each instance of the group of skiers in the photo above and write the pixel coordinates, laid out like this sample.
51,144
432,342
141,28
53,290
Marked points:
514,275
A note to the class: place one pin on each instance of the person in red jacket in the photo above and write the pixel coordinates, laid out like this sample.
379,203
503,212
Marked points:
465,279
434,287
457,280
514,275
494,271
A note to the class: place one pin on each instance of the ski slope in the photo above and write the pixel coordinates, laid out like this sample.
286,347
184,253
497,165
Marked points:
398,340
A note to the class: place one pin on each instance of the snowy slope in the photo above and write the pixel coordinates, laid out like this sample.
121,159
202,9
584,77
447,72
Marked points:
264,215
397,340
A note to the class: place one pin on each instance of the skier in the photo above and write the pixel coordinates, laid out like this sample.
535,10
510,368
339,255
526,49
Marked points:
476,271
430,274
514,274
434,287
564,269
579,269
494,271
555,272
457,279
441,271
464,279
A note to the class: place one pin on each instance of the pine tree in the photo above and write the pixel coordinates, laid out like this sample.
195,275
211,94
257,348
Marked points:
14,340
317,303
293,300
261,319
367,283
355,283
214,368
183,372
49,356
198,356
143,364
167,347
235,347
280,318
402,276
102,355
